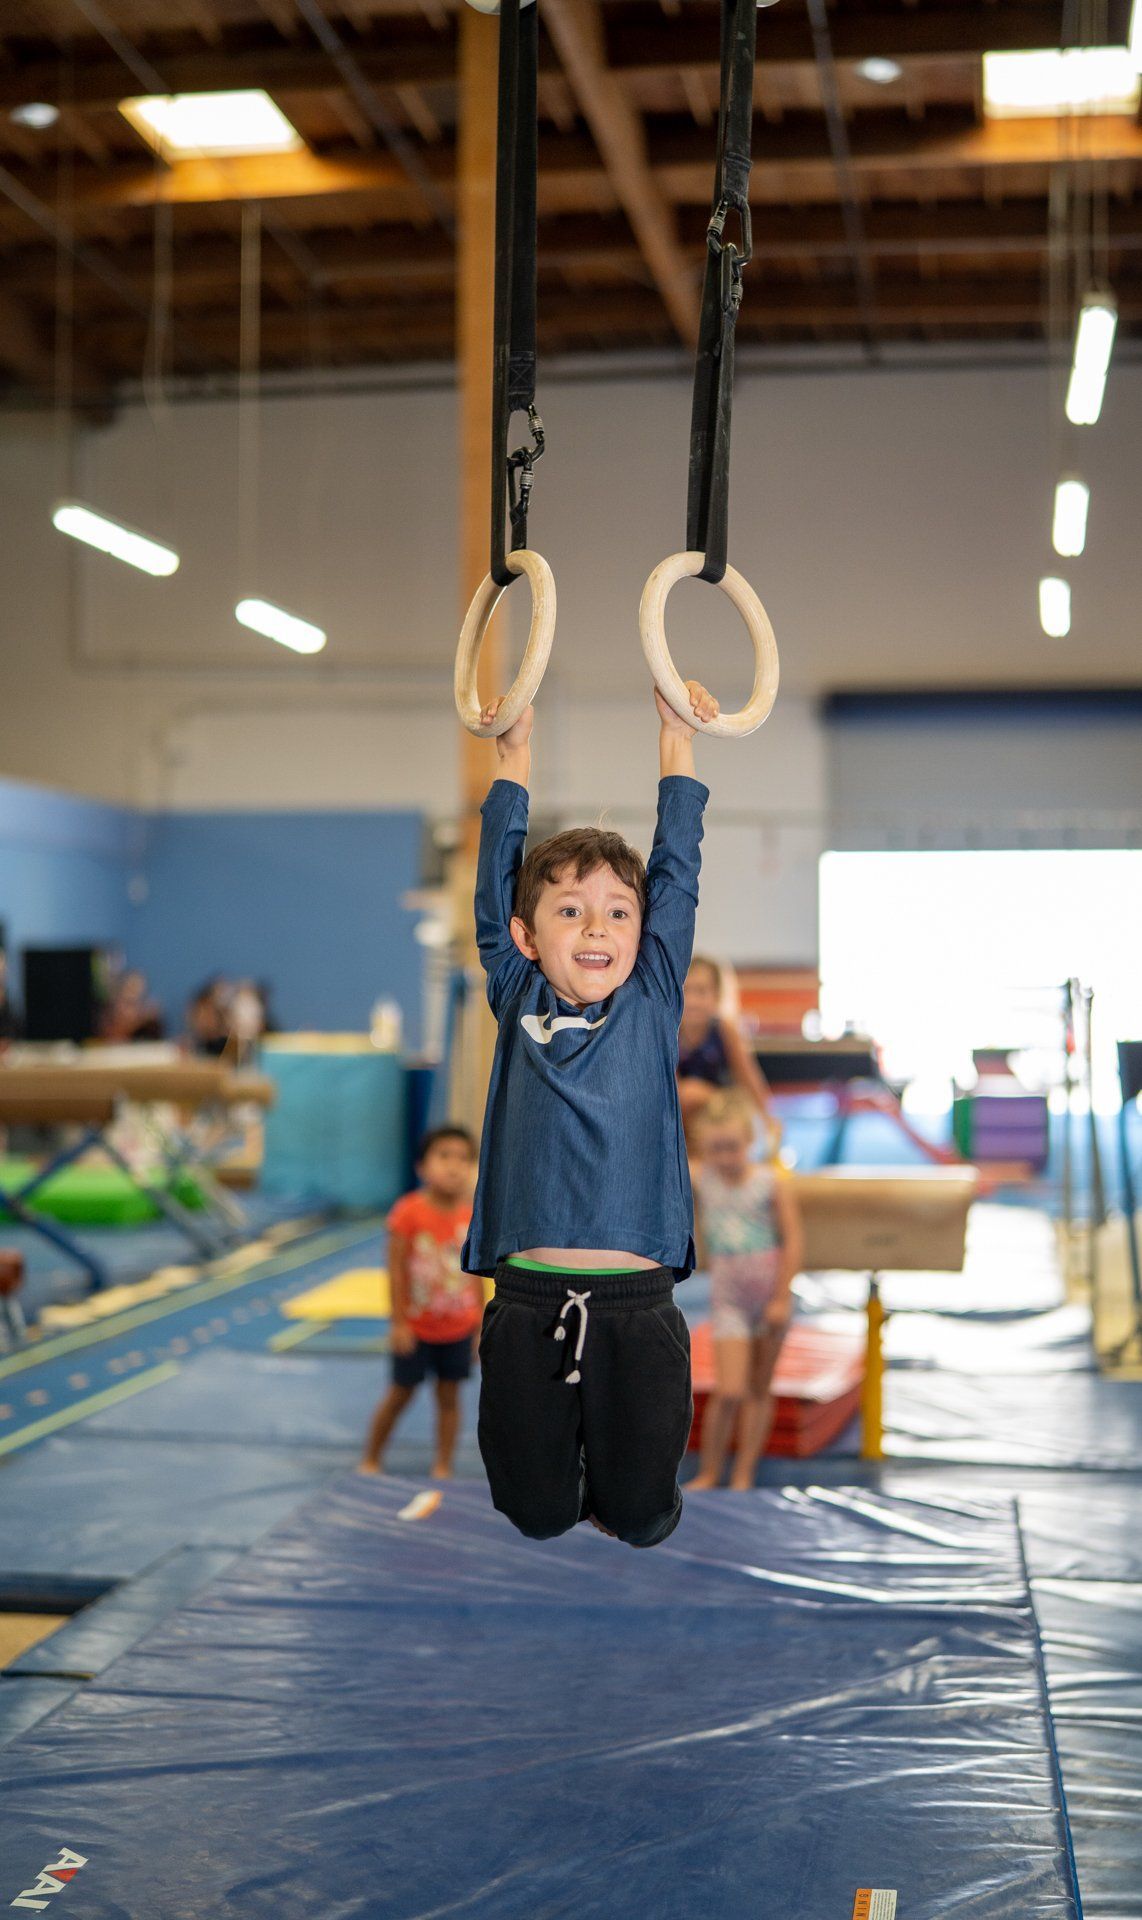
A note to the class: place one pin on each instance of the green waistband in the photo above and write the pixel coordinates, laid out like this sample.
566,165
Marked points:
545,1266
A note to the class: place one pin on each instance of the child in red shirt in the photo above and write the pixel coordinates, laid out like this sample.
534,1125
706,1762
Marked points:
436,1306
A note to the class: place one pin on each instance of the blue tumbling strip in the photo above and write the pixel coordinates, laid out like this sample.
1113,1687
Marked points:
794,1698
283,1400
280,1400
96,1509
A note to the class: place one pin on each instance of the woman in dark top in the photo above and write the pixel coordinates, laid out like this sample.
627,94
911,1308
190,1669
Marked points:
711,1051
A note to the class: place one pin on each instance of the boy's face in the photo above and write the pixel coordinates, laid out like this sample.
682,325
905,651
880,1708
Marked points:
586,934
725,1147
447,1169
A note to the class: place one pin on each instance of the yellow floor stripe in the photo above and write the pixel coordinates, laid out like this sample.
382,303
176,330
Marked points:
175,1302
293,1336
360,1294
80,1410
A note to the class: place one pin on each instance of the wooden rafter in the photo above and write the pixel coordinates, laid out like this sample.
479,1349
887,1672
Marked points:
405,330
576,28
792,162
389,55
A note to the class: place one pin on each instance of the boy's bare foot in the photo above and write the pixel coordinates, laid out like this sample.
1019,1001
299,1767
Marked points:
740,1483
441,1472
368,1466
599,1527
702,1483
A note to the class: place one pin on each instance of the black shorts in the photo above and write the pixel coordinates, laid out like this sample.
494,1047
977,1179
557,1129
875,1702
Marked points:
585,1405
447,1359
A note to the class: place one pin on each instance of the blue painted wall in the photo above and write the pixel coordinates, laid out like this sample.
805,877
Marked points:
307,901
65,864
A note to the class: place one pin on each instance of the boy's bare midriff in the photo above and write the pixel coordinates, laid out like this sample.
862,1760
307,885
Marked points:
575,1259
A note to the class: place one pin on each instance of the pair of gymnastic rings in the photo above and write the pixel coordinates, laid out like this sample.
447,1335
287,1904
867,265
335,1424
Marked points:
652,630
514,373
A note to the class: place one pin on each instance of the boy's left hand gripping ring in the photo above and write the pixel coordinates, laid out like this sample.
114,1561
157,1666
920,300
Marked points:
534,665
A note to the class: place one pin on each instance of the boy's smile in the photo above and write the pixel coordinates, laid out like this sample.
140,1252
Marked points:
586,934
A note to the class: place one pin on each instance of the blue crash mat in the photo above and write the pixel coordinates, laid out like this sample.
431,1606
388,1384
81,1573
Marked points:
98,1634
1064,1420
90,1508
1083,1526
276,1399
425,1717
25,1700
1092,1639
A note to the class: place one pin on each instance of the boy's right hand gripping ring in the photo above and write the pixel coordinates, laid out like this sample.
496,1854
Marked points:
534,665
668,680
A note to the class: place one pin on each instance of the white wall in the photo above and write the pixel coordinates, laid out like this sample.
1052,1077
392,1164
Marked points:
894,523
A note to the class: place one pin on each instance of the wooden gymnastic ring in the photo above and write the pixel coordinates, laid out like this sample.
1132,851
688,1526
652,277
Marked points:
668,680
526,684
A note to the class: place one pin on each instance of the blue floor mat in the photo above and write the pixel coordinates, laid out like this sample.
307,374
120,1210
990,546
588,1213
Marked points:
1082,1526
283,1400
566,1732
1092,1640
1062,1420
95,1508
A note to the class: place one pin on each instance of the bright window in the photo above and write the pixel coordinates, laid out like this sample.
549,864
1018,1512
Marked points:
935,954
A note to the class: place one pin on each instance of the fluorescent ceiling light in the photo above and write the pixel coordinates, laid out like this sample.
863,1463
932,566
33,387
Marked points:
1070,80
110,536
263,617
36,114
1055,608
881,72
1072,500
183,124
1094,344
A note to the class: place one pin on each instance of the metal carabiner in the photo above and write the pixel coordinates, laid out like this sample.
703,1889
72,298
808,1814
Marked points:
521,468
717,227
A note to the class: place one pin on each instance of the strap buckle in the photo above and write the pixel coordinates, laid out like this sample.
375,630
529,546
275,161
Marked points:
521,469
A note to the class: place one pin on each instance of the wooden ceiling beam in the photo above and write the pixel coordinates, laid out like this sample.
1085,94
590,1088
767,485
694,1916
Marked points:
790,160
784,38
390,55
405,330
589,247
576,27
27,349
792,167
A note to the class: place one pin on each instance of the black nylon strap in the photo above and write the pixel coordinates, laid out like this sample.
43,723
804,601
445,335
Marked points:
708,497
514,351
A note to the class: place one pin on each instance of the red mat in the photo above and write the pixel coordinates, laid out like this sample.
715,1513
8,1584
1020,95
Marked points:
817,1387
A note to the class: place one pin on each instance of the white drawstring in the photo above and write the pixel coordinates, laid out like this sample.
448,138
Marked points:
579,1301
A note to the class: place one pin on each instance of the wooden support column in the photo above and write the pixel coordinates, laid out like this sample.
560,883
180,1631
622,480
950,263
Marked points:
475,220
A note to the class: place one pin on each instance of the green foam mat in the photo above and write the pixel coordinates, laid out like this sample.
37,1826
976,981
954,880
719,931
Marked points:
93,1195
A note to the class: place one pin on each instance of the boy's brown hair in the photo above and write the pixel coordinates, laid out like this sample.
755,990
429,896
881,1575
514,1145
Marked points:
582,850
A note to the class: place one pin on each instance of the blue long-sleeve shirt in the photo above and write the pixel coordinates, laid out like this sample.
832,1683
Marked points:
583,1143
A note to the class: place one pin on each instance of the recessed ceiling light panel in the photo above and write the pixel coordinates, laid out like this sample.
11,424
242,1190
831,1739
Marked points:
37,114
881,72
1056,81
182,125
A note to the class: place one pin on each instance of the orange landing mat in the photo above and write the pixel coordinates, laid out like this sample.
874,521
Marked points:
817,1387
